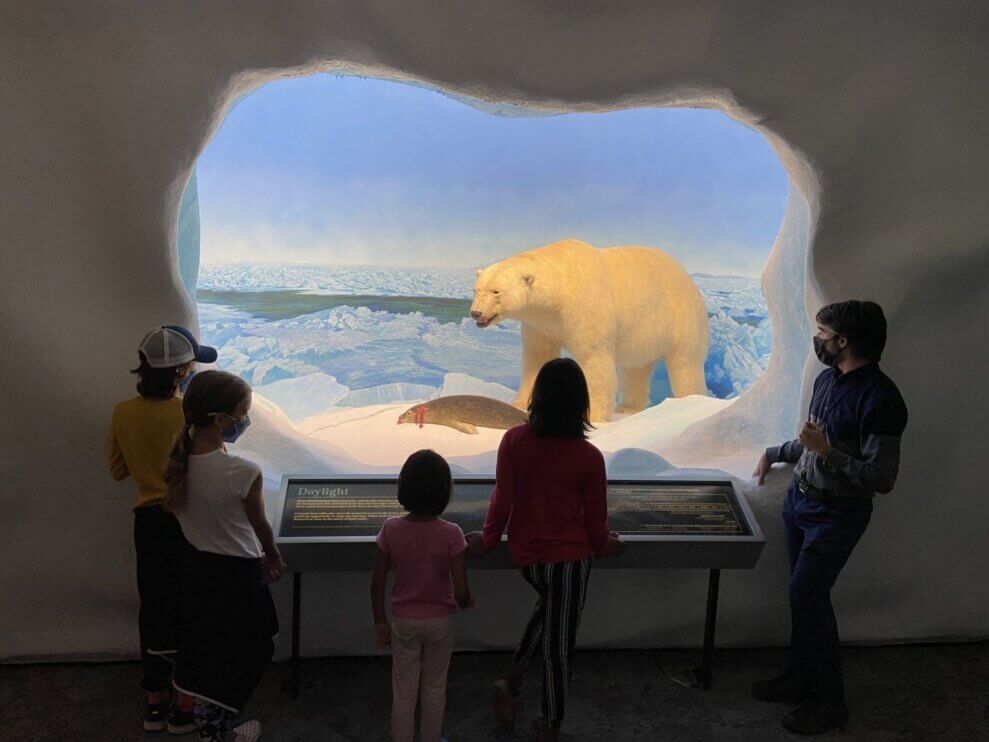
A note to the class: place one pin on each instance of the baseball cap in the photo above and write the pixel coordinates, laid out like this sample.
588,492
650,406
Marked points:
172,345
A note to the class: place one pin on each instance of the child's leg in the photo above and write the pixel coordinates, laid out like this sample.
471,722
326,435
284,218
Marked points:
436,650
156,586
567,588
406,649
508,688
535,575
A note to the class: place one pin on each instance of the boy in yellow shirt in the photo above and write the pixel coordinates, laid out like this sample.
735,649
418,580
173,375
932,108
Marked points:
142,431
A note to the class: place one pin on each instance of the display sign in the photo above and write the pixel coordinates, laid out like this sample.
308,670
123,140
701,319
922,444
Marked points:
351,509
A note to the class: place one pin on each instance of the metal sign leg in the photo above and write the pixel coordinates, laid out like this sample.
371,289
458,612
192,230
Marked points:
710,621
294,681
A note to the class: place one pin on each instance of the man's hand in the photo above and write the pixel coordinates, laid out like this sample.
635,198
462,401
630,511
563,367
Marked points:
814,439
273,568
382,635
762,468
614,547
475,544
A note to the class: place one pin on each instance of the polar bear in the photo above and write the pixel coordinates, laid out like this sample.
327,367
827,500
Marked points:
617,311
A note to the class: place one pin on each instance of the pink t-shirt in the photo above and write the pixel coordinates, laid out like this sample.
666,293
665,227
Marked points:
420,551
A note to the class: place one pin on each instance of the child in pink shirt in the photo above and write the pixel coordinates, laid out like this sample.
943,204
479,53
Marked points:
428,556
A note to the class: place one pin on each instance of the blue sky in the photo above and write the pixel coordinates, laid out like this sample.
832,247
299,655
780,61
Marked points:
328,169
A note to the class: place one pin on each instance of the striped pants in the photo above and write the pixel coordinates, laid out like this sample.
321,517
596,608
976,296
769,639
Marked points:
552,630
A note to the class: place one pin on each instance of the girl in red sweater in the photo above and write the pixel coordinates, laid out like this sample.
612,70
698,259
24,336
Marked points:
551,492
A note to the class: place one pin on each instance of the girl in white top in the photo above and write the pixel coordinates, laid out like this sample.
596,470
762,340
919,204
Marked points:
226,615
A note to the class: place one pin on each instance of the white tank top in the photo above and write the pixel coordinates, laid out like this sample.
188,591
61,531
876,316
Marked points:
214,518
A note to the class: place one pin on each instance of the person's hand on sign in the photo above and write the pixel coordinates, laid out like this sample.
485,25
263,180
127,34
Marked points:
762,468
814,439
615,545
475,544
273,567
382,635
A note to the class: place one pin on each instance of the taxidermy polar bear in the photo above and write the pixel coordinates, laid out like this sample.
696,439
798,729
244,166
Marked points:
617,311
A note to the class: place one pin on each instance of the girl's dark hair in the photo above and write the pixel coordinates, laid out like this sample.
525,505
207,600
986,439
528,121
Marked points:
209,393
560,404
862,323
425,484
157,383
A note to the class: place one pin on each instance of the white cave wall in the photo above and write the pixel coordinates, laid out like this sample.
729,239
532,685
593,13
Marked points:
877,109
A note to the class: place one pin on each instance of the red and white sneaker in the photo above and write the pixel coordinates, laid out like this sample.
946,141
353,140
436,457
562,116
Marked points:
155,715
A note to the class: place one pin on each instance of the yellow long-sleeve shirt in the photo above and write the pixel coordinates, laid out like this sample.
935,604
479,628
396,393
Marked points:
142,432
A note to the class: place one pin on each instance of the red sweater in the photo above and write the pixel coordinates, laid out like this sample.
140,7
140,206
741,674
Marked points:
555,491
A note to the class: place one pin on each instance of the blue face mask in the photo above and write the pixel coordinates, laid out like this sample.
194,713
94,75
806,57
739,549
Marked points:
229,436
184,383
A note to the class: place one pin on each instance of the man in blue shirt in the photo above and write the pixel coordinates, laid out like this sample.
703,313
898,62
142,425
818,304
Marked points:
847,450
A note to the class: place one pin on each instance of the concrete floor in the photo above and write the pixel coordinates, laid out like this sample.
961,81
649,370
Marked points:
933,692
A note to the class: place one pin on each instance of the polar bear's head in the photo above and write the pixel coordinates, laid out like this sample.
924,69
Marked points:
501,291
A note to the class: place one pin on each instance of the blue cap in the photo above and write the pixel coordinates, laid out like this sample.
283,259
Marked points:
203,353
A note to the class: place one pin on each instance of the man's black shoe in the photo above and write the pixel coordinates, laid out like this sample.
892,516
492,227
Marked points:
789,686
816,716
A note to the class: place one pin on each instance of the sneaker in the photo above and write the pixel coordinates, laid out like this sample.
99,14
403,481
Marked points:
788,686
816,716
155,715
503,703
181,722
249,731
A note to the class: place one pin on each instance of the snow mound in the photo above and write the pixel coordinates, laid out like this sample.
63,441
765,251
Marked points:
635,463
274,443
655,428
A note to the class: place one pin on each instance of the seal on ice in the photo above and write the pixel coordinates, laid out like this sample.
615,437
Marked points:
465,412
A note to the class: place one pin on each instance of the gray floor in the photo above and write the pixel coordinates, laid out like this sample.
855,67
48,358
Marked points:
935,692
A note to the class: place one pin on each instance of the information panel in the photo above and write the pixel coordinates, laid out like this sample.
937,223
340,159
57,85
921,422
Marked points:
330,509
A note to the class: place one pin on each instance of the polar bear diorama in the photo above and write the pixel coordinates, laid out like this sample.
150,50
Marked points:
617,311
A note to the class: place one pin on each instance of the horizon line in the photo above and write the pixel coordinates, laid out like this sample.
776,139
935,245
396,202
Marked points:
212,263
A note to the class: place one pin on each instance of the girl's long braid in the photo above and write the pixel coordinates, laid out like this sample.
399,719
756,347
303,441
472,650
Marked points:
209,393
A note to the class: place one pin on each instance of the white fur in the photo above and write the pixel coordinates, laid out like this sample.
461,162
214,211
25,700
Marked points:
617,311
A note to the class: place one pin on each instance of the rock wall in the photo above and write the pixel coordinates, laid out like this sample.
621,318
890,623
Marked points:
879,110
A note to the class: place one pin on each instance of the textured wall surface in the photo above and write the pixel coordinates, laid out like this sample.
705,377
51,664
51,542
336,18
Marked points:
879,110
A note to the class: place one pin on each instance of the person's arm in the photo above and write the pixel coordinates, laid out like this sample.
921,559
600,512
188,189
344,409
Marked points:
458,571
881,430
379,579
274,566
596,506
788,453
118,466
502,499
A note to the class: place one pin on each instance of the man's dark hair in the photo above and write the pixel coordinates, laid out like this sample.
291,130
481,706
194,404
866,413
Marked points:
560,403
862,323
425,484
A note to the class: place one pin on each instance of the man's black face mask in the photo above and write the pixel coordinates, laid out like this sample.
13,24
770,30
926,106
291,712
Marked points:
823,354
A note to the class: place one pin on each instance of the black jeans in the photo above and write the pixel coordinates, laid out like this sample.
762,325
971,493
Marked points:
820,538
159,544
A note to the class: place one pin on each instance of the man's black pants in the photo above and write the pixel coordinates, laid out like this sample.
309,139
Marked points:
820,538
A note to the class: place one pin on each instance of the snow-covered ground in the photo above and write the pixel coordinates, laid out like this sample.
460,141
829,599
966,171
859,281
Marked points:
347,440
333,382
